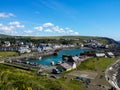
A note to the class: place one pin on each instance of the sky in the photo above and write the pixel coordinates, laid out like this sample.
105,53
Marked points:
60,18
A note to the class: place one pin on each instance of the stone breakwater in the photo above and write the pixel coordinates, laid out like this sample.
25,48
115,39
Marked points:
32,56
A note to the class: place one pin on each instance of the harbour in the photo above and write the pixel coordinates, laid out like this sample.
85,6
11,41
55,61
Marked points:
58,58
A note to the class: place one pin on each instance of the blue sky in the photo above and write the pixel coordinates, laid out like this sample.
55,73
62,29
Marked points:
60,17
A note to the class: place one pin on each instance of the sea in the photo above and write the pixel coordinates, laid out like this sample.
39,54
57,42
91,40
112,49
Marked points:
47,60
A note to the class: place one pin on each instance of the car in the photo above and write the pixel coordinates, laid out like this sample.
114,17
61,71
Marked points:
55,71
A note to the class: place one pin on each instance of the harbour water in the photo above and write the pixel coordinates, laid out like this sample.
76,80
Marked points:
47,60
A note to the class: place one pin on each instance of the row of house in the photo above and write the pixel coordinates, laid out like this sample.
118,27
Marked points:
27,46
94,44
10,48
20,49
51,47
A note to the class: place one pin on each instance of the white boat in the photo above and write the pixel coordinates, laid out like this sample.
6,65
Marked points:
59,62
40,58
52,63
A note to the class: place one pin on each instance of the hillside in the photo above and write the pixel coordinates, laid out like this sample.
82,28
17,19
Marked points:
3,35
15,79
59,39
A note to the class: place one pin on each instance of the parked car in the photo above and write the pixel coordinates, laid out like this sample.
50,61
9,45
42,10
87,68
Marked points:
55,71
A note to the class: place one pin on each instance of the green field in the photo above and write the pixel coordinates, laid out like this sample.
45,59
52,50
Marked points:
81,38
96,64
8,54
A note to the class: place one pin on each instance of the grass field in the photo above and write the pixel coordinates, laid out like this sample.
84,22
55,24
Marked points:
8,54
96,64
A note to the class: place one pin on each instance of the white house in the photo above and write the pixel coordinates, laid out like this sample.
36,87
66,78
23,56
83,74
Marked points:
56,46
100,55
42,48
76,58
110,54
48,48
7,43
24,50
67,66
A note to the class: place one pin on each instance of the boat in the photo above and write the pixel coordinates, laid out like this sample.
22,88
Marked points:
40,58
52,63
59,62
55,53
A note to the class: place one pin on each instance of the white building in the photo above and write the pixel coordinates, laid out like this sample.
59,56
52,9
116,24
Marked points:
67,66
100,55
24,50
110,54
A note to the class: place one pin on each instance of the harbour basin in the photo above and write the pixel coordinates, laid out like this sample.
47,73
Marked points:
55,58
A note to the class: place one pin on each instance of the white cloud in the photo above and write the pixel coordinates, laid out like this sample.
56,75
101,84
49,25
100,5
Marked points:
17,24
70,31
1,24
14,23
48,24
67,28
39,28
6,28
20,26
48,30
6,15
52,28
76,33
58,29
28,31
13,33
10,28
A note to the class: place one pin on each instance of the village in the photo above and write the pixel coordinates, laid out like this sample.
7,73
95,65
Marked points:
31,51
42,50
